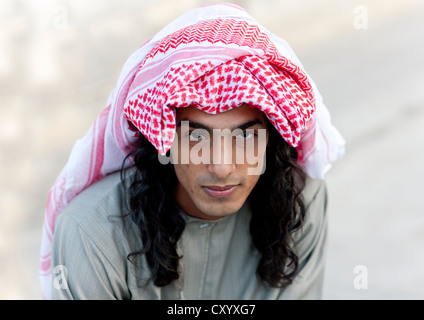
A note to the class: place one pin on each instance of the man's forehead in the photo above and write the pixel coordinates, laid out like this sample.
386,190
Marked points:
234,116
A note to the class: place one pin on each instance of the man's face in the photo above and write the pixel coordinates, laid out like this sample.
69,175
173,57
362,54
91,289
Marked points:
218,159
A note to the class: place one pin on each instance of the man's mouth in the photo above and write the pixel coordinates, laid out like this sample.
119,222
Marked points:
215,191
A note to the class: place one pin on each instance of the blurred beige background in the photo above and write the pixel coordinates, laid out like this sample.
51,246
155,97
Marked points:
60,59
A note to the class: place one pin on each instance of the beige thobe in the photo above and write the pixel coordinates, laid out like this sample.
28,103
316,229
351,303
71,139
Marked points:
91,244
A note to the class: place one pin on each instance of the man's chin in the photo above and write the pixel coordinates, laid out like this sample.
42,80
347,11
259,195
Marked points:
220,211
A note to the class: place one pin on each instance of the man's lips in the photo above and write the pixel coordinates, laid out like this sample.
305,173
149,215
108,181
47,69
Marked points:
218,188
220,191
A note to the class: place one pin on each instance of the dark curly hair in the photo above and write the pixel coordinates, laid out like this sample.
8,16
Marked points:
276,202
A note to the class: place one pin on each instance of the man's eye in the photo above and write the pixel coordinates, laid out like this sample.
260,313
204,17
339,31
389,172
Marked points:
196,136
246,134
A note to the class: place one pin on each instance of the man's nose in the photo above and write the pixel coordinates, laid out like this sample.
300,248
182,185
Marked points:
222,164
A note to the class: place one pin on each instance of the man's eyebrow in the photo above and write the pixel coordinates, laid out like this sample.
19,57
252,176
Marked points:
243,126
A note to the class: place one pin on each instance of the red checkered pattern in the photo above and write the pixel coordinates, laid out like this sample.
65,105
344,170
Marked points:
270,82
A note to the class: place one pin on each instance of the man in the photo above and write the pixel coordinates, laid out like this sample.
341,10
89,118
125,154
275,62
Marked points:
222,142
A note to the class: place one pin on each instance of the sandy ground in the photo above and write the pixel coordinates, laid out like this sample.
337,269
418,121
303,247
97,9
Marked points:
60,59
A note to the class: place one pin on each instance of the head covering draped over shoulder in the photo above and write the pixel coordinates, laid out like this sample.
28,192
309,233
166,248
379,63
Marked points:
215,58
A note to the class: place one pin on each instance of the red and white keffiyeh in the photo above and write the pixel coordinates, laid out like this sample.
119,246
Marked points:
216,58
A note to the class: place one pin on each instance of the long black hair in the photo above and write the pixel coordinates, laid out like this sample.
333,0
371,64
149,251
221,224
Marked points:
276,202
